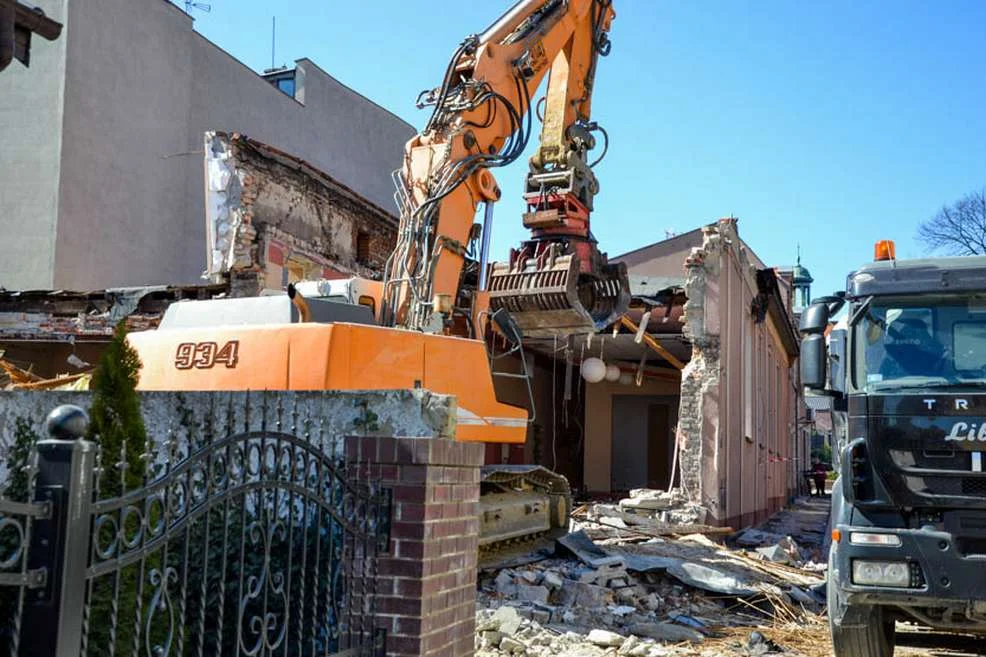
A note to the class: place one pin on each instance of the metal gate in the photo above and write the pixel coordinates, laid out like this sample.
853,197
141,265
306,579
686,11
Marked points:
250,540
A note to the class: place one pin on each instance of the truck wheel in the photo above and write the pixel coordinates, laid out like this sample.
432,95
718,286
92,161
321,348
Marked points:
871,633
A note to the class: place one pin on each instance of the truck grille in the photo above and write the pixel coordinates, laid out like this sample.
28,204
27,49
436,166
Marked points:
961,486
943,476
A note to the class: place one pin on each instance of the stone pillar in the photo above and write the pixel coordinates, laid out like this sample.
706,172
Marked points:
427,581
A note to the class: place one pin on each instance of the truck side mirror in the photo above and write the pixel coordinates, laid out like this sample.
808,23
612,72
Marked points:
813,361
815,318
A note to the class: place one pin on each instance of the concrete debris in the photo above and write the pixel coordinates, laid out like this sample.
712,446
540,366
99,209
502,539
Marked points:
532,594
785,551
505,583
605,638
650,513
667,632
579,544
553,580
751,537
531,577
711,579
601,595
653,500
505,621
758,644
512,646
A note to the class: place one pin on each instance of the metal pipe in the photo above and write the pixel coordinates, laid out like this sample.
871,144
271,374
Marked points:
484,249
653,344
299,302
493,32
642,328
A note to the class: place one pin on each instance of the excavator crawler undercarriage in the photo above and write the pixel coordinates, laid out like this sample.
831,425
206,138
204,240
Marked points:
520,504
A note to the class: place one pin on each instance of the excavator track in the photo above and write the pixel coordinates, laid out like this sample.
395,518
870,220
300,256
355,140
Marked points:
523,508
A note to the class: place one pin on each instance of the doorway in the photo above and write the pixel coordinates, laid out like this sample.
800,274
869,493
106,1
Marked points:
642,441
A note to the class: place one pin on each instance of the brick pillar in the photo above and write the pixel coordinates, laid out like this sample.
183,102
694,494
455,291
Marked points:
427,581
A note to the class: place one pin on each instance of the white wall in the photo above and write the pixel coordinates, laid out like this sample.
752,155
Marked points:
31,101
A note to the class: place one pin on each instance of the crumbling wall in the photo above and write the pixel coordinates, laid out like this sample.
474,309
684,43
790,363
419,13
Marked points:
698,414
273,219
736,416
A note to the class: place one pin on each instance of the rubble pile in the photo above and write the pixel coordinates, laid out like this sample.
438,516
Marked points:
610,589
671,507
646,513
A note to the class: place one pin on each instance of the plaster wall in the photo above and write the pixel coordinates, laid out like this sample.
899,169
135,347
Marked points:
31,107
110,191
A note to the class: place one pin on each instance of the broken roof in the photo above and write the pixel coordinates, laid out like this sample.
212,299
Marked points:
56,315
286,159
769,302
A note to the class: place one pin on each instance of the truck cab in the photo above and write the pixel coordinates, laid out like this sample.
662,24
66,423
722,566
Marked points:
906,368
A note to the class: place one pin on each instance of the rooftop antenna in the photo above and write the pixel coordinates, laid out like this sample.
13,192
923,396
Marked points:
273,40
201,6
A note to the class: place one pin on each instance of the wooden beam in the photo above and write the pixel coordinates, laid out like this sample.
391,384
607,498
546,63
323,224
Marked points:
653,344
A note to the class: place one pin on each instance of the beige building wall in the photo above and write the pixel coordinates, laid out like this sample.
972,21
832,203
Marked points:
756,470
737,419
599,425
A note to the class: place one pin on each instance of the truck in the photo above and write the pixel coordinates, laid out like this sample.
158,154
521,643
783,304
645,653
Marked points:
905,367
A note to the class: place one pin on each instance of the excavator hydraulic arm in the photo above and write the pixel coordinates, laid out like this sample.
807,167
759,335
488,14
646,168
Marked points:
557,283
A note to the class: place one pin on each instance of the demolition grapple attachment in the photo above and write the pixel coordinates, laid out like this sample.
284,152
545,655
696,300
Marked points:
550,293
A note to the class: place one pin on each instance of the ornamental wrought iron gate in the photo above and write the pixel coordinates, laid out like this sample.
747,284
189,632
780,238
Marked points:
252,540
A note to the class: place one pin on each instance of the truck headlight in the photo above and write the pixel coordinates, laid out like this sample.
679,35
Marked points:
867,538
881,573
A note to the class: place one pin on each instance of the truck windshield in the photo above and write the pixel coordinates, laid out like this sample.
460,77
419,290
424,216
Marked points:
922,341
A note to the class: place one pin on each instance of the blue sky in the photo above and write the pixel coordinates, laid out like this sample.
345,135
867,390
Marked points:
829,124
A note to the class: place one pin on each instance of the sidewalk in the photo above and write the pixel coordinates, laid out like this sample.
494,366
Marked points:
806,521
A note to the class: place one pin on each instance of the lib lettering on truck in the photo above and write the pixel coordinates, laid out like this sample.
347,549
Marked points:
966,432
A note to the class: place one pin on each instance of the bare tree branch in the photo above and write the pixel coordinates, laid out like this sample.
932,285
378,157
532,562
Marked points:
959,228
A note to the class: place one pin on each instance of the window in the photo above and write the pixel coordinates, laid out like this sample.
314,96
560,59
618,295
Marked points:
919,340
363,248
969,347
748,329
286,85
283,79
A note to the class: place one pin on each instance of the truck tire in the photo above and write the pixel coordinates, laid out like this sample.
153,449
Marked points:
871,633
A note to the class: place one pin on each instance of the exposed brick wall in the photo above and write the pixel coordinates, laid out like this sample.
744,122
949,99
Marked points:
698,410
427,585
738,392
269,212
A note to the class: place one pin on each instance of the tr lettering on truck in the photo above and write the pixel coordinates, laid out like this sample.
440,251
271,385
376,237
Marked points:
206,355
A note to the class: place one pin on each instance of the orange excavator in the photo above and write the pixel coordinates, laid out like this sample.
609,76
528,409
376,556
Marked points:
442,308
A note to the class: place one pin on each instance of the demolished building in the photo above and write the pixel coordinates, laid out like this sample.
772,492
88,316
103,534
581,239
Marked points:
102,178
704,398
273,219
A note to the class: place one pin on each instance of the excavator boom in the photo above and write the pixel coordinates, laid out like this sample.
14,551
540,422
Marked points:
557,282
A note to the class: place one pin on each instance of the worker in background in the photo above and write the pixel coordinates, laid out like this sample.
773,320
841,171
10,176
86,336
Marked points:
819,474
